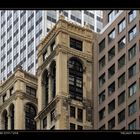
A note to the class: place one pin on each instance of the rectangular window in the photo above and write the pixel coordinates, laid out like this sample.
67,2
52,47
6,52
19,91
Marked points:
101,97
132,52
111,53
121,98
80,115
132,89
31,91
101,45
111,106
101,62
122,25
52,115
101,114
132,108
132,33
111,88
45,122
101,80
132,71
111,123
76,44
11,91
121,62
121,80
111,71
121,43
132,15
121,116
72,111
72,126
111,36
132,125
4,97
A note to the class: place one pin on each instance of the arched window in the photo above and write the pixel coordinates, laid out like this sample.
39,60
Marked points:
75,79
46,87
30,113
12,116
5,119
53,79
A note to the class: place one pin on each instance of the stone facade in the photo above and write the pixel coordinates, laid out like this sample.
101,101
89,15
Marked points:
60,55
13,96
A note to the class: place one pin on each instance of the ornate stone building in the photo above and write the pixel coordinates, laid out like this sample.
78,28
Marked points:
65,74
18,102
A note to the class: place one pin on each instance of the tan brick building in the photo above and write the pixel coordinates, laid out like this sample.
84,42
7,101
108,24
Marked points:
18,102
118,73
65,72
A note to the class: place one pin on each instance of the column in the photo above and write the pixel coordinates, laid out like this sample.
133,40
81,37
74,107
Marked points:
19,113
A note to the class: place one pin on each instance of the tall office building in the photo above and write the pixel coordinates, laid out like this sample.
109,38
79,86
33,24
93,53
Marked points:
118,73
65,70
22,31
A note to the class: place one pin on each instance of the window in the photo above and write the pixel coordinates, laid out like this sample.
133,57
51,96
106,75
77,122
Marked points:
111,88
76,44
30,91
121,25
121,98
111,71
132,52
132,71
101,114
5,117
30,114
72,126
101,80
121,43
45,122
52,46
111,106
131,15
121,116
111,53
132,108
11,91
132,89
132,33
121,80
4,97
75,79
112,14
101,45
72,111
111,36
79,127
80,115
12,116
101,97
121,62
132,125
101,62
111,123
52,115
53,79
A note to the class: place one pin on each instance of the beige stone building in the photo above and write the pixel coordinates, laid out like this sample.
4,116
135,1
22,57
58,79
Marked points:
65,71
18,102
